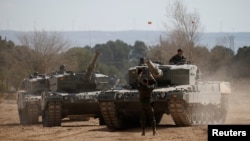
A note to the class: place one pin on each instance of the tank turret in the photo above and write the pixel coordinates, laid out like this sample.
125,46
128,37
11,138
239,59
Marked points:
73,95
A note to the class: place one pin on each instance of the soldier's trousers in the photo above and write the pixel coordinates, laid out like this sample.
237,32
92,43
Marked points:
147,112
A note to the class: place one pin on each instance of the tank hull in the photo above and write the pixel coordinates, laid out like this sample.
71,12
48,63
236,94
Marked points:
75,106
73,95
203,103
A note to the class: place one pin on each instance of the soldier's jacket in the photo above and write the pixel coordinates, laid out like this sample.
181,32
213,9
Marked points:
146,90
176,58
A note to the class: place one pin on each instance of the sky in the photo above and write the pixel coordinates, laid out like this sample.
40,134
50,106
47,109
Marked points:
118,15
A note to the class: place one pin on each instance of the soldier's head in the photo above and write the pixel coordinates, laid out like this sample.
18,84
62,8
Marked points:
145,81
62,68
180,52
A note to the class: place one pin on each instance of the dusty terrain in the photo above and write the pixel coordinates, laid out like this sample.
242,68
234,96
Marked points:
11,130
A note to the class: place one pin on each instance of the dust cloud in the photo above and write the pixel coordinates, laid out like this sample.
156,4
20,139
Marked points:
239,103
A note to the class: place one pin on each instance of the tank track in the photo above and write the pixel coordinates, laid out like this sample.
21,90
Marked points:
53,114
110,116
29,115
180,112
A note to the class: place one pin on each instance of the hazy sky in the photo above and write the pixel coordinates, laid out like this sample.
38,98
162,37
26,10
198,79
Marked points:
114,15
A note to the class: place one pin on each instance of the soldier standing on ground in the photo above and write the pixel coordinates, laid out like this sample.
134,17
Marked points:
145,88
177,58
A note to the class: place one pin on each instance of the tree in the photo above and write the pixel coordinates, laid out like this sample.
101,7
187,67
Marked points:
7,62
47,46
78,58
201,56
184,28
139,50
219,61
240,64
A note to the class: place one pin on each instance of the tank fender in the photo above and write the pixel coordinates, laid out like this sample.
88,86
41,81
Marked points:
177,94
49,96
107,96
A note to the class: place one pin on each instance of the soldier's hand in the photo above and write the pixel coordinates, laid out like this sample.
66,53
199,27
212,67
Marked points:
151,75
140,74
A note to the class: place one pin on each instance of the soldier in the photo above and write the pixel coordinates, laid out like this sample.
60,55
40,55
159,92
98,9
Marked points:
62,69
145,88
178,57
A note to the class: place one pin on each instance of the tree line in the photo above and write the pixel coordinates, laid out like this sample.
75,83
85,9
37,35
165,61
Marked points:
44,52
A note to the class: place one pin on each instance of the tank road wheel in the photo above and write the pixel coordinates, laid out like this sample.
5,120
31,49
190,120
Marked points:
196,115
223,108
204,115
110,116
210,114
52,114
180,112
30,115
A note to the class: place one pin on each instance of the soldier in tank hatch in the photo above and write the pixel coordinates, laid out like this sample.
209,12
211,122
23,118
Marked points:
62,69
145,87
179,57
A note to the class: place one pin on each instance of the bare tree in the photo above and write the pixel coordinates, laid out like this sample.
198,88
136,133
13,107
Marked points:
47,46
184,28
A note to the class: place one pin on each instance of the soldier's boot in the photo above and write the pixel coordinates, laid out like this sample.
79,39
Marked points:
143,132
143,124
154,128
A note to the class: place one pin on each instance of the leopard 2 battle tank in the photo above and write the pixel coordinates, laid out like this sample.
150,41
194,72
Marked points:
180,93
29,98
73,95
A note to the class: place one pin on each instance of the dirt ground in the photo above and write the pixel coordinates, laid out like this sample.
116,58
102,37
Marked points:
11,130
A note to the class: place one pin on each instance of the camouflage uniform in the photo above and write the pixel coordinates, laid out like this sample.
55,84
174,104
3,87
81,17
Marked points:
146,106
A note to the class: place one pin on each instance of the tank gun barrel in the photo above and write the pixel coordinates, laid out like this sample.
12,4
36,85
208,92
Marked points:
156,72
91,66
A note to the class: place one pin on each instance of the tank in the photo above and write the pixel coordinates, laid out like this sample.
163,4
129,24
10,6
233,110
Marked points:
180,93
73,95
29,98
